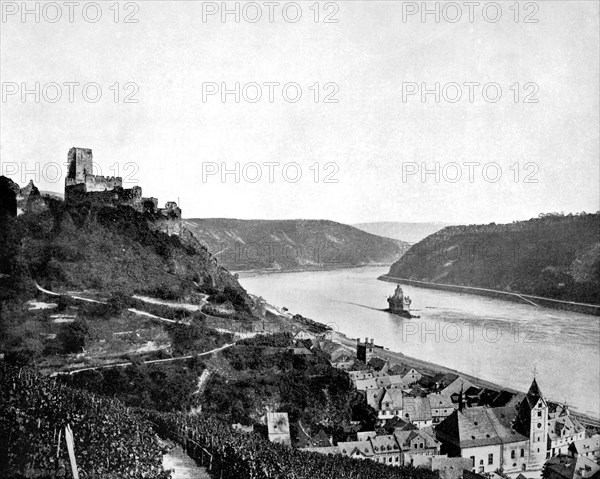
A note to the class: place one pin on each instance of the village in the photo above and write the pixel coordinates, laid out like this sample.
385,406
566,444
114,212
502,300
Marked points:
448,424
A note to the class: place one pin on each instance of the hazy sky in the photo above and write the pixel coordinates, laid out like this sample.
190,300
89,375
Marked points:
365,140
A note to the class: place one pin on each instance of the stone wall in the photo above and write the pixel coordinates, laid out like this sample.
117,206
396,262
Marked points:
102,183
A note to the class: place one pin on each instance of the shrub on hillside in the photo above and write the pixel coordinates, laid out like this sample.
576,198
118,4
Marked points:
72,336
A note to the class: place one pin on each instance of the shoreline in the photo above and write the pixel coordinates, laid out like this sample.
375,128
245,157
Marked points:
536,301
249,273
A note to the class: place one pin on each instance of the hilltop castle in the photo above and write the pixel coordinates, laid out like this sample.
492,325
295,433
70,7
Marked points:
81,184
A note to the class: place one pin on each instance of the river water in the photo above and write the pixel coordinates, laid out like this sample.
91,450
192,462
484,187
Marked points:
495,340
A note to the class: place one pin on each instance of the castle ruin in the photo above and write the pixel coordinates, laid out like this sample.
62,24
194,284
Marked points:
82,185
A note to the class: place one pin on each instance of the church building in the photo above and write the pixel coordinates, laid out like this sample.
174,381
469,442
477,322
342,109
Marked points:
507,438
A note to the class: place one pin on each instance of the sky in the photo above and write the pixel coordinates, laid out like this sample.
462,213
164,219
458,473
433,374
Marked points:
341,130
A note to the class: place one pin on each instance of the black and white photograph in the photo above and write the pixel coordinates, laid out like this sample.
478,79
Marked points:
311,239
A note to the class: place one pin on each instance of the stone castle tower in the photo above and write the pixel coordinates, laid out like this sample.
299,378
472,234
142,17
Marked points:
399,304
81,163
364,351
81,172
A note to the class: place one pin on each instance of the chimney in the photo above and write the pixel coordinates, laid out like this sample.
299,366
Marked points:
372,341
366,341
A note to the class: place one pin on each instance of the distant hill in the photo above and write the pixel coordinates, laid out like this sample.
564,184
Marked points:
281,245
410,232
53,194
553,256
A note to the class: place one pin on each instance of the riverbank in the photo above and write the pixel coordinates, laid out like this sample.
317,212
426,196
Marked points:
534,301
249,273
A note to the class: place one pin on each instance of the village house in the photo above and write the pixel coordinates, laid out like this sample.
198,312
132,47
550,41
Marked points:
565,467
391,404
588,447
343,362
456,386
365,384
450,467
374,397
387,450
418,411
416,444
441,407
412,376
390,382
562,431
356,449
356,375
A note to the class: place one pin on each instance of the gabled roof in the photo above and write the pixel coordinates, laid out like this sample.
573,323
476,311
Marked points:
365,435
440,401
363,447
354,375
570,425
455,386
386,367
417,409
450,467
321,439
300,351
374,398
587,445
390,381
365,384
385,444
397,424
572,468
405,438
377,363
392,400
479,426
502,399
411,372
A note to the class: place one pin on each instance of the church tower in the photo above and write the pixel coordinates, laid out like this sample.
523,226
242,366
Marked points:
532,422
538,426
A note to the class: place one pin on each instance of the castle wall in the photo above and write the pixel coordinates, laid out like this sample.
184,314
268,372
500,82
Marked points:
102,183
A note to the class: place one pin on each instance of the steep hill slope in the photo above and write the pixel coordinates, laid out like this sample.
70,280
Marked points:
410,232
553,256
291,244
104,248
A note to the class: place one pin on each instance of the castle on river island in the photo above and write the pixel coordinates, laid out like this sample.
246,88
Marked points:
399,304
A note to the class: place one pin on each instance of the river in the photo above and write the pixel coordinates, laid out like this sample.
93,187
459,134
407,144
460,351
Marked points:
495,340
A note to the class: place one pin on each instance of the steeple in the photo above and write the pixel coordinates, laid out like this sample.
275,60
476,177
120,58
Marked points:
534,390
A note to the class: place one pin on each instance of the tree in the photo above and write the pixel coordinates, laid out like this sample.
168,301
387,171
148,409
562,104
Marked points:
72,336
